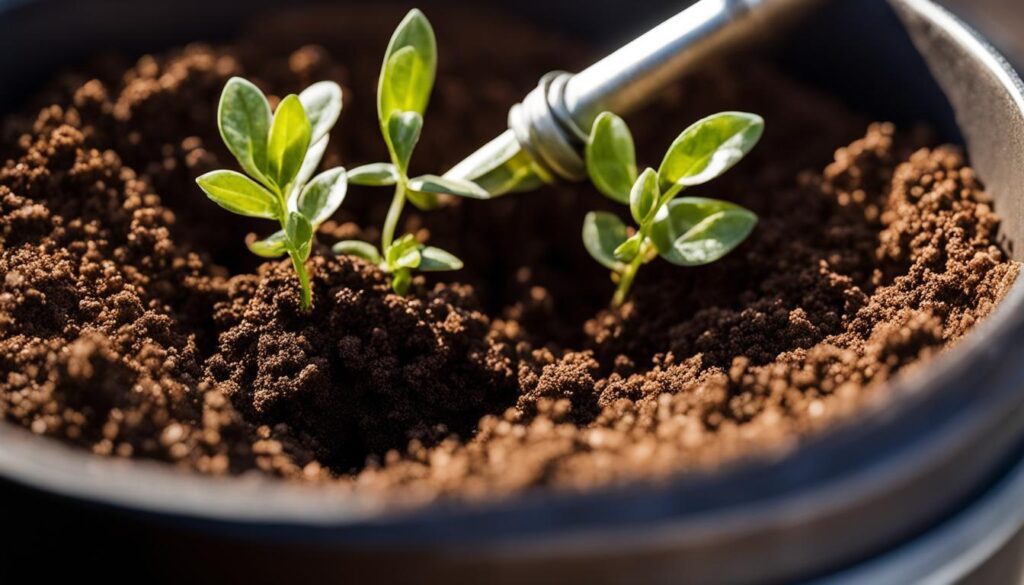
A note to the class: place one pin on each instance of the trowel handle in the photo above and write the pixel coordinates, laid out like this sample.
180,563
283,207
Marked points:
553,120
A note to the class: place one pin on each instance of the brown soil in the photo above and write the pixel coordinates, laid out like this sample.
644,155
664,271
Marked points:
134,323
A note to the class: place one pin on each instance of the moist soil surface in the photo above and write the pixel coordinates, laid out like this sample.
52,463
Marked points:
134,323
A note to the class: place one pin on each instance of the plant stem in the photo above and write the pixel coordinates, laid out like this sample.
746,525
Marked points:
627,276
305,296
394,212
626,281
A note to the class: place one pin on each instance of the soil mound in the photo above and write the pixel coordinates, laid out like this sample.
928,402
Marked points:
134,323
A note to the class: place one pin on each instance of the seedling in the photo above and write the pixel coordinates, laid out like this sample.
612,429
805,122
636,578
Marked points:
403,91
279,155
686,231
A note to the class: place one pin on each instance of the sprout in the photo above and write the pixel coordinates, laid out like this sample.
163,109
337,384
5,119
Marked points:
686,231
403,91
279,155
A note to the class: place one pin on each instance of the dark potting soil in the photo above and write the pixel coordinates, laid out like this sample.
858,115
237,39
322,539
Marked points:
134,323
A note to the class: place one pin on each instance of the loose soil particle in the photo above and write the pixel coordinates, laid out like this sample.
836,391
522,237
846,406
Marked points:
133,322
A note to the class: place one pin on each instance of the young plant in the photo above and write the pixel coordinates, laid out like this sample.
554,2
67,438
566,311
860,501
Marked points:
686,231
403,91
279,154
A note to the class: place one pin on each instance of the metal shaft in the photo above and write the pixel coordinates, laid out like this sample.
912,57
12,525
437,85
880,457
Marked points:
548,129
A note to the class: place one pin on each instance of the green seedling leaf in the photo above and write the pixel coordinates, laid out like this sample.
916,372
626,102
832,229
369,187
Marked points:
445,186
692,231
363,250
239,194
423,201
407,74
712,238
403,253
311,161
437,260
680,215
709,148
392,252
289,140
273,246
403,133
322,104
644,196
323,195
408,259
628,250
299,234
243,117
374,175
611,157
603,233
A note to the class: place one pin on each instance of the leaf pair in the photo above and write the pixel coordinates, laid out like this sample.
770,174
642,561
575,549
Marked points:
401,258
702,152
688,231
403,90
276,150
279,152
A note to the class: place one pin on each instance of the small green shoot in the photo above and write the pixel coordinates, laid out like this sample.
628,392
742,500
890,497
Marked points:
686,231
403,92
279,154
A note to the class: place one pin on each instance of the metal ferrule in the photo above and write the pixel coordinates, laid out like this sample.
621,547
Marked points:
545,128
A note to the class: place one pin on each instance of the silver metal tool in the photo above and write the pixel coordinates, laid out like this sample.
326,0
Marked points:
548,129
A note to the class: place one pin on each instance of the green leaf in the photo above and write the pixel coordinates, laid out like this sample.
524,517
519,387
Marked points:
407,74
629,249
289,140
322,103
644,196
709,148
299,233
243,117
311,161
403,133
692,231
400,282
611,157
323,195
679,215
272,246
446,186
239,194
423,201
374,175
403,253
363,250
437,260
410,258
603,232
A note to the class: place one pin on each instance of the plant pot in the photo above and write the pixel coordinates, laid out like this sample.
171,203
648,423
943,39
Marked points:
888,499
